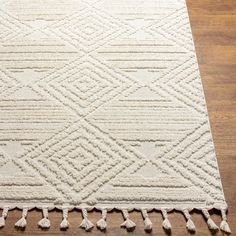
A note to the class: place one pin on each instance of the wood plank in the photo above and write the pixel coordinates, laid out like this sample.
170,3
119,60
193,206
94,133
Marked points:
214,29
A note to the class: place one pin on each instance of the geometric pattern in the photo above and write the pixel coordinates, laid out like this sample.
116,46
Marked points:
102,105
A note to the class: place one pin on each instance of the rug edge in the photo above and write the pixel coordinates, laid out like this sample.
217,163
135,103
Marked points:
101,224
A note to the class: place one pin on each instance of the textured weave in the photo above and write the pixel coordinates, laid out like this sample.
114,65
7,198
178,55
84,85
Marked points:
101,105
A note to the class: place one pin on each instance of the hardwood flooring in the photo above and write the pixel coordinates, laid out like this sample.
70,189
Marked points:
214,29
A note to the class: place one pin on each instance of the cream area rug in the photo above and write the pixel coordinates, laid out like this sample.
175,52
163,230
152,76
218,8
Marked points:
102,107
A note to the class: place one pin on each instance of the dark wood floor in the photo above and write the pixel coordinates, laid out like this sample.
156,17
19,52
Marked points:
214,29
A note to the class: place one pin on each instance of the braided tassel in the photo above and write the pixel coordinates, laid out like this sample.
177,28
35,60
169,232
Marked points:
64,224
147,221
211,224
44,223
129,224
166,223
4,216
189,225
21,223
224,226
102,224
86,224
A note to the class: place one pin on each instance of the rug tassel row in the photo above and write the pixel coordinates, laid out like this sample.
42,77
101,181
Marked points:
101,224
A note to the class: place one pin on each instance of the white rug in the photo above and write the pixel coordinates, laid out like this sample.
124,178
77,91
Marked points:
102,107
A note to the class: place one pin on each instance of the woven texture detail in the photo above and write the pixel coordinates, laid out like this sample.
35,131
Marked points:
102,106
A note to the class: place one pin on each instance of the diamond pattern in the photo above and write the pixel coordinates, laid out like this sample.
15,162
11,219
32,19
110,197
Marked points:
102,104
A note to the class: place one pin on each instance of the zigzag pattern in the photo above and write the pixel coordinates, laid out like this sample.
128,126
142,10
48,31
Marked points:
102,105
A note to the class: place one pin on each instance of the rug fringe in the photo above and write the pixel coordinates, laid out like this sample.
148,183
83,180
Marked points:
189,225
65,223
166,223
21,223
224,226
101,224
147,221
4,216
44,223
129,224
86,223
211,224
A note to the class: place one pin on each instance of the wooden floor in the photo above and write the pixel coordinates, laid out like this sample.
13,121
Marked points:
214,29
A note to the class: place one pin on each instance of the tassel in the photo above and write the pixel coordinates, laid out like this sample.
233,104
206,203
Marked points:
224,225
44,223
189,225
86,224
211,224
21,223
166,223
64,224
147,221
4,216
129,224
102,224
